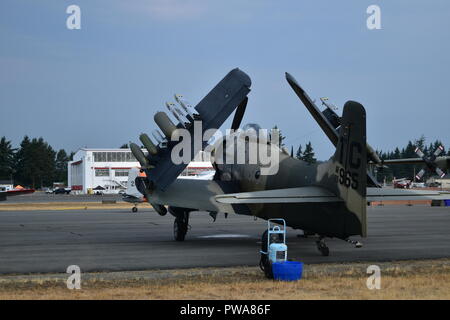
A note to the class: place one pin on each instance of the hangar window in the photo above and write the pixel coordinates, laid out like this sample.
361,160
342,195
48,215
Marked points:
101,172
100,156
121,173
114,157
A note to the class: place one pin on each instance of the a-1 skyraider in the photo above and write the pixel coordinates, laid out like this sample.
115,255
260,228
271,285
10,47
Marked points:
328,199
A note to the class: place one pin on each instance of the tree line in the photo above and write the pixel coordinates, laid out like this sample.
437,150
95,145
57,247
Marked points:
393,170
307,155
34,163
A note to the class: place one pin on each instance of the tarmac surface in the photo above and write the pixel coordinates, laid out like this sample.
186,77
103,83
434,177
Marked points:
118,240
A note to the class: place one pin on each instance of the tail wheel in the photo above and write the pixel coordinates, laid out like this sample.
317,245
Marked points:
322,247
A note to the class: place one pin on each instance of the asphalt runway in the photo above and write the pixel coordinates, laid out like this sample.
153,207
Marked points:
117,240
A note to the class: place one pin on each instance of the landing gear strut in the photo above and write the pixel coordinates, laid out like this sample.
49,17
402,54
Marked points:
322,247
180,226
264,262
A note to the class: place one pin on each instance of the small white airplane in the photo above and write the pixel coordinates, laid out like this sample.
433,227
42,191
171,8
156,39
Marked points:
132,195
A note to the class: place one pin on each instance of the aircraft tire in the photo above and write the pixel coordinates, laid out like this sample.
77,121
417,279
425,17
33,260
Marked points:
324,250
180,227
134,209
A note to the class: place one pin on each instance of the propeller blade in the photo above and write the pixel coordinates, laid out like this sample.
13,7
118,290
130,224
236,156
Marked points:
419,152
440,172
438,151
239,114
420,174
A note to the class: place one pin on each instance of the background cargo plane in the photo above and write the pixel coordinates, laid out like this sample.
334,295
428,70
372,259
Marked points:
328,199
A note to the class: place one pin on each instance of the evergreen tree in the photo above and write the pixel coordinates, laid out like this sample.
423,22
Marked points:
420,143
308,154
124,146
281,137
35,163
6,159
299,153
396,154
61,166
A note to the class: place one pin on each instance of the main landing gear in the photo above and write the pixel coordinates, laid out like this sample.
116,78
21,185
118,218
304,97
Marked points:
180,227
181,223
134,209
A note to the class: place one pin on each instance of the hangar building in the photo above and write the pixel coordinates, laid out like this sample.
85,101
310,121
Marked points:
108,169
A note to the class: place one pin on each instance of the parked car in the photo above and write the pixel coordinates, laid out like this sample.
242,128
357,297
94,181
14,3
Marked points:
62,191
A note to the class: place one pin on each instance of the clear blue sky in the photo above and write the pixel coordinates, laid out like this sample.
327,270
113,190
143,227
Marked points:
100,86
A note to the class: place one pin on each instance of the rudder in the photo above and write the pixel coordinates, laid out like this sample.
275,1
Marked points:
349,163
131,183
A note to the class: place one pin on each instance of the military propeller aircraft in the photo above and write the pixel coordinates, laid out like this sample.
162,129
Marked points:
328,199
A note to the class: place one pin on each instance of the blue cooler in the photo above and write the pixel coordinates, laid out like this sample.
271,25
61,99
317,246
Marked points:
447,203
287,270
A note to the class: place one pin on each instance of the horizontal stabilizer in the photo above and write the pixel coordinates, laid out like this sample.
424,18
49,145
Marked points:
384,194
288,195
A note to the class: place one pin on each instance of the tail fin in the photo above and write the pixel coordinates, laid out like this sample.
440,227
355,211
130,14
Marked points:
349,163
131,184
